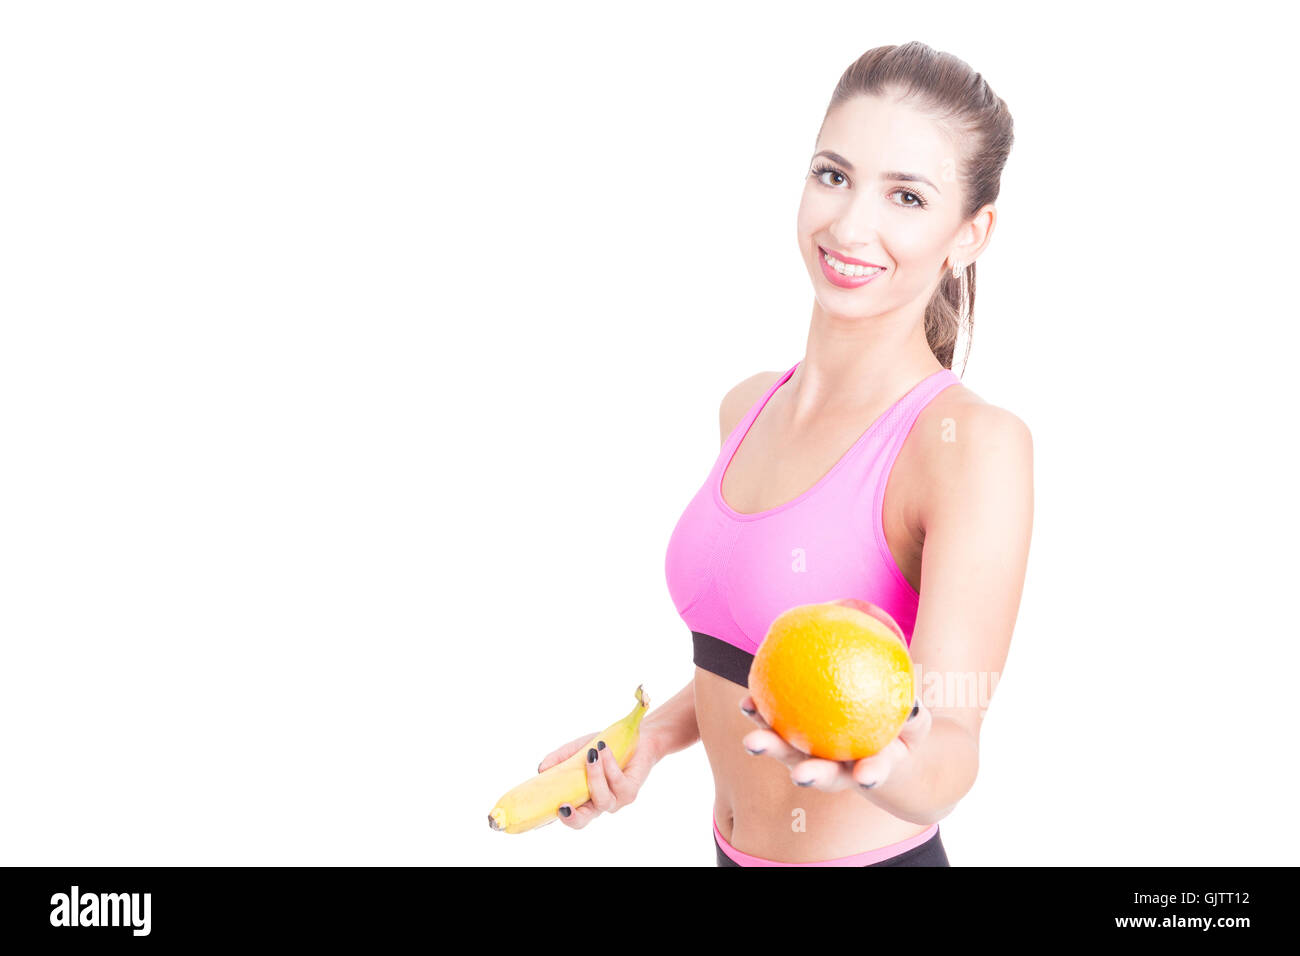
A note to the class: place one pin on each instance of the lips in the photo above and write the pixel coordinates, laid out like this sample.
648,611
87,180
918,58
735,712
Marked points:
849,260
847,282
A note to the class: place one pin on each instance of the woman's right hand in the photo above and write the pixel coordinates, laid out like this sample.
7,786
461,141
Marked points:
610,787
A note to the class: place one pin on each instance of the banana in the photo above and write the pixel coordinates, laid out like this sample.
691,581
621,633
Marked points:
536,801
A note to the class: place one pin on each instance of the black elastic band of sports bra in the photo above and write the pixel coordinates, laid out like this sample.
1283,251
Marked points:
718,657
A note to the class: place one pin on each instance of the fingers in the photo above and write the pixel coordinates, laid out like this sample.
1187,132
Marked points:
770,743
577,817
597,785
623,785
611,789
805,771
561,753
820,774
767,741
750,709
814,772
601,799
871,772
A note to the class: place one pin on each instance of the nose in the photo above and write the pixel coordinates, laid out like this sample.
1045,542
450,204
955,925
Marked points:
855,226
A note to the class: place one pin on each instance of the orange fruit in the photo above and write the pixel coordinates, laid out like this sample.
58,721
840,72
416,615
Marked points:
834,679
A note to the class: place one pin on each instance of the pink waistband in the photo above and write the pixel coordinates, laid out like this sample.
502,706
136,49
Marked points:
857,859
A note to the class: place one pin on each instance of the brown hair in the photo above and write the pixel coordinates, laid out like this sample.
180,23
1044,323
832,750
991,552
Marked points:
962,101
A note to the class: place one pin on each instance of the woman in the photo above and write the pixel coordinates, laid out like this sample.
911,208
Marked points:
803,506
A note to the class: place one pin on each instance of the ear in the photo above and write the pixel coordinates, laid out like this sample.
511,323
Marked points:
973,236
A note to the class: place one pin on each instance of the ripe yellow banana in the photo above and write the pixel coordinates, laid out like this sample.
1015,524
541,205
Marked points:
536,801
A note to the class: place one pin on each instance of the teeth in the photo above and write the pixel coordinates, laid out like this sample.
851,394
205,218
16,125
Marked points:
848,270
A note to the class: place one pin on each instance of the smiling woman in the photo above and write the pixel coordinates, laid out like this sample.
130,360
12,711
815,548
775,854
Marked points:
946,102
863,468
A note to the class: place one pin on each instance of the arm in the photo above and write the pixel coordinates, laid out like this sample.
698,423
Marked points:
672,726
977,518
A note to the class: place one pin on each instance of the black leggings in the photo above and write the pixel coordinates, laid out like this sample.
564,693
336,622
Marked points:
929,853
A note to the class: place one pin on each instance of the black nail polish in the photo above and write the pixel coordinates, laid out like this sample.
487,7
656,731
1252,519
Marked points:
565,810
803,783
866,786
592,755
600,745
916,709
758,751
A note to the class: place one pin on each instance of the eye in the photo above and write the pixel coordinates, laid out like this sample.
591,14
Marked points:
820,171
920,203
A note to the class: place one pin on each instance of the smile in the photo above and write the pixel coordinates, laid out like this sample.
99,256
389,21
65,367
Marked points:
845,275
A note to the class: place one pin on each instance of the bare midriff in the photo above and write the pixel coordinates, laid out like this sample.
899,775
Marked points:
758,808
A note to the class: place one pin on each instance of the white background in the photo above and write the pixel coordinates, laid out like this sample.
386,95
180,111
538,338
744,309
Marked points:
358,359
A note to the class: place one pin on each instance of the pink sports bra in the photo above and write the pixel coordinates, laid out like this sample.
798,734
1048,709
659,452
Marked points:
731,574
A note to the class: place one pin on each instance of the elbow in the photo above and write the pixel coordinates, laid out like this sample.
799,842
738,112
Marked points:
946,775
933,817
963,784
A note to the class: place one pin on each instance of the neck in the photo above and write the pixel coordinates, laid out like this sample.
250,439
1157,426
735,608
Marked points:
849,366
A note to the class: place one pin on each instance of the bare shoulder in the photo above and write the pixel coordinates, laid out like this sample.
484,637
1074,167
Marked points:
966,443
959,405
741,398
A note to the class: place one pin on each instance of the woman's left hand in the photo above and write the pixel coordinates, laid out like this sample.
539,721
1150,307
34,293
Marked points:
809,771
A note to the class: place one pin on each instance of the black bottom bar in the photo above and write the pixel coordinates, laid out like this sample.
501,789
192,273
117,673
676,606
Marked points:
718,657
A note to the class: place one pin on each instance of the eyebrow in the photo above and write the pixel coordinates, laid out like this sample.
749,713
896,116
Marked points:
891,174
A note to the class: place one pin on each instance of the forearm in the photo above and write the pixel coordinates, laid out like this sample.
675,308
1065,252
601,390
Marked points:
934,777
672,726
